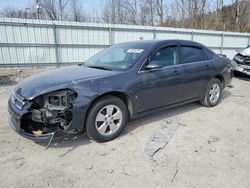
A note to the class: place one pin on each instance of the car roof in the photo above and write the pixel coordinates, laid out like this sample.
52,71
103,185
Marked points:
154,42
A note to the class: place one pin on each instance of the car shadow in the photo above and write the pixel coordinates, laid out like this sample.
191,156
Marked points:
225,94
162,115
72,141
159,116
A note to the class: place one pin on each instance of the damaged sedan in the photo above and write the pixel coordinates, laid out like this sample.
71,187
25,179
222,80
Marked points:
241,62
120,83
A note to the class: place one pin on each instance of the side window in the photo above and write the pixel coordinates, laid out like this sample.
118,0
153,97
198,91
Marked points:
166,56
192,54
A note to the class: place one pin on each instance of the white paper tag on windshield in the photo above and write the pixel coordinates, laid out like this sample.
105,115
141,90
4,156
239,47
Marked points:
137,51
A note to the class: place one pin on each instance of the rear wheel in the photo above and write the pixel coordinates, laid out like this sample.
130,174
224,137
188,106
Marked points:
106,119
213,93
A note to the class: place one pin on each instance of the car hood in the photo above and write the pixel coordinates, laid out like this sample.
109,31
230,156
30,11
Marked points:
244,52
56,79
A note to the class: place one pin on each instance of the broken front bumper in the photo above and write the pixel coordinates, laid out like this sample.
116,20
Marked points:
21,132
243,69
15,124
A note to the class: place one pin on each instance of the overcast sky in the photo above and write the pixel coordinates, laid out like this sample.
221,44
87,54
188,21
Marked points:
90,5
21,4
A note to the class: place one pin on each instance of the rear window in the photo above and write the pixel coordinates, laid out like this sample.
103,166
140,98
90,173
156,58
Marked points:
192,54
208,54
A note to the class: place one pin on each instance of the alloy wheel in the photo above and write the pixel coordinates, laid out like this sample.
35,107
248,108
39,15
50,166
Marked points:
108,120
214,93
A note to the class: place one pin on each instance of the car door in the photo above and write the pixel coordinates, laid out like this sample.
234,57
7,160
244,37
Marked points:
197,67
162,86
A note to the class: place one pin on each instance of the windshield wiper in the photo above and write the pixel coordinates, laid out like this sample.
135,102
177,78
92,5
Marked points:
99,67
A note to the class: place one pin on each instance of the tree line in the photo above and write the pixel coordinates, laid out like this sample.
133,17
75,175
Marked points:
223,15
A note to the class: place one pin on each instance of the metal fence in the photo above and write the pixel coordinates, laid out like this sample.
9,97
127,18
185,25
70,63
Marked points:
54,43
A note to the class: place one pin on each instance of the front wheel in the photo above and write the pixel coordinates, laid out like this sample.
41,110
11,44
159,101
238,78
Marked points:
213,93
106,119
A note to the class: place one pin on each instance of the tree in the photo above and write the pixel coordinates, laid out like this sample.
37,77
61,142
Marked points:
198,14
77,13
239,9
14,13
132,12
159,9
49,6
114,12
147,12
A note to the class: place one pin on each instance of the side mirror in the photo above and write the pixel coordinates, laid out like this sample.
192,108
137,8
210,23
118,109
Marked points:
153,65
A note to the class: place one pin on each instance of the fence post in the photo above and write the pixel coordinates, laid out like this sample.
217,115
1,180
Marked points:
192,36
154,31
111,39
56,46
222,43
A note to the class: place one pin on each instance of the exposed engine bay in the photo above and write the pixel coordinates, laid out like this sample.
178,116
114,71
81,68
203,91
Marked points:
49,112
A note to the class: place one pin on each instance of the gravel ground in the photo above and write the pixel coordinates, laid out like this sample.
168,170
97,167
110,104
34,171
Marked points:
208,147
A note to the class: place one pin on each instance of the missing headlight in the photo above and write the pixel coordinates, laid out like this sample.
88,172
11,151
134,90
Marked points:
54,100
59,100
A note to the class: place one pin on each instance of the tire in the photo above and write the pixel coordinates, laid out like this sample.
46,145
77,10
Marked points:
106,119
212,95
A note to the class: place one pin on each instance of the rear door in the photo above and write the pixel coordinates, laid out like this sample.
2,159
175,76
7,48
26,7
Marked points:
198,68
163,86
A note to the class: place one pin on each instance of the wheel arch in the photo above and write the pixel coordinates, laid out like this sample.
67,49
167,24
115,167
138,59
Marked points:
123,96
222,80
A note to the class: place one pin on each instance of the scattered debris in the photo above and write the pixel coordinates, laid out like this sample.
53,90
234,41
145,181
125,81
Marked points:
37,132
110,171
167,121
241,96
189,184
160,138
7,80
113,149
127,174
182,124
214,139
213,150
176,171
89,167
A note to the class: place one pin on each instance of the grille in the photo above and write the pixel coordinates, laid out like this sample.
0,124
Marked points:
247,60
244,60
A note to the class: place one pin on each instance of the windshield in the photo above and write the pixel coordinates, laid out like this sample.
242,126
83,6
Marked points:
118,57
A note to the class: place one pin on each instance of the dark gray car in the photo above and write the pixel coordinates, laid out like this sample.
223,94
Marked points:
120,83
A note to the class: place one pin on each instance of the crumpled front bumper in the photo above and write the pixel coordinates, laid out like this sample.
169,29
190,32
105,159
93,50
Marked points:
17,129
15,123
243,69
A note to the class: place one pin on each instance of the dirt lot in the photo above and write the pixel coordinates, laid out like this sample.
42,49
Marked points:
208,148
